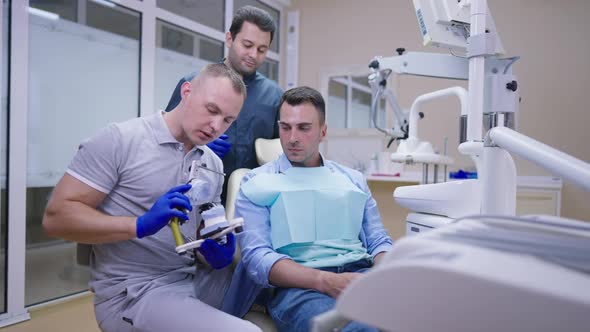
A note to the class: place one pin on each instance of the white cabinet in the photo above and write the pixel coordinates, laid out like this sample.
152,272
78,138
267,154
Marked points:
534,195
538,195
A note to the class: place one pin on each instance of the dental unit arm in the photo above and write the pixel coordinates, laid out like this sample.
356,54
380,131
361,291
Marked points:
411,149
410,63
216,226
446,24
378,83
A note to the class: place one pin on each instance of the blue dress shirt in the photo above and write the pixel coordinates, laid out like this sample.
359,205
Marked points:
258,256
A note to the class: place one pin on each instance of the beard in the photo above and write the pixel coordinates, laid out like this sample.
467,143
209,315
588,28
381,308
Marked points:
236,64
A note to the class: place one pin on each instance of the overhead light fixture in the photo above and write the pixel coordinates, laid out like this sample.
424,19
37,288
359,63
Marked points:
43,13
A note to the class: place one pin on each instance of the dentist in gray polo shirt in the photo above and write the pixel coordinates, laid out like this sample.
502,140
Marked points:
118,194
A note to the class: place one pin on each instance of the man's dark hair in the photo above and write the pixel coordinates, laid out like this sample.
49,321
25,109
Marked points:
305,94
254,15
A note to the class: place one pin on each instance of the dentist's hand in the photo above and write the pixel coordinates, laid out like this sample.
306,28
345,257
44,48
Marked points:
164,209
219,255
220,146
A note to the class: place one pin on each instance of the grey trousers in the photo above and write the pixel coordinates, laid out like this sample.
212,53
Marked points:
187,305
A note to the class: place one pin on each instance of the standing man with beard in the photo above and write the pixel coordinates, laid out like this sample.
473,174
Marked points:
248,41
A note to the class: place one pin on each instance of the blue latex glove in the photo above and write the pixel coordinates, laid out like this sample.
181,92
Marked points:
164,209
220,146
219,255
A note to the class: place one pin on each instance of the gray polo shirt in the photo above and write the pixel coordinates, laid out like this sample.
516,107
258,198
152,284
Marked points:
134,163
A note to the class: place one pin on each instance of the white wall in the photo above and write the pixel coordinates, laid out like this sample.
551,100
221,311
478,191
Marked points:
553,73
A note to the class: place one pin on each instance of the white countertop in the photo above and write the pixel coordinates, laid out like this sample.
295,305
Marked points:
548,182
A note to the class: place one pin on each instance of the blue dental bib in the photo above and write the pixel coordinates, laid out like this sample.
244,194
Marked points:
308,204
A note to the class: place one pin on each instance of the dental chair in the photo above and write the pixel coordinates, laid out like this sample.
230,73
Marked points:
266,150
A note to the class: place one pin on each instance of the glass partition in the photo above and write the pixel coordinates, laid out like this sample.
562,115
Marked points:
180,52
206,12
270,69
83,74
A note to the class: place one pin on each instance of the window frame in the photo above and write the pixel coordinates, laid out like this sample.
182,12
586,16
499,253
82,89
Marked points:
348,71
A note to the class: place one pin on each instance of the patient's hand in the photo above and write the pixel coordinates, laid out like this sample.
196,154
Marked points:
334,283
378,258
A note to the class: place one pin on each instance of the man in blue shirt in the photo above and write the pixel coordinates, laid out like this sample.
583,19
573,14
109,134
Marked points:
248,41
311,224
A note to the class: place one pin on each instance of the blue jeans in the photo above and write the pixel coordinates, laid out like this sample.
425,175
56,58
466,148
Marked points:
293,308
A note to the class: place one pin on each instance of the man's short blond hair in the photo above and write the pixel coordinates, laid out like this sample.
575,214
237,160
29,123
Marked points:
222,70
